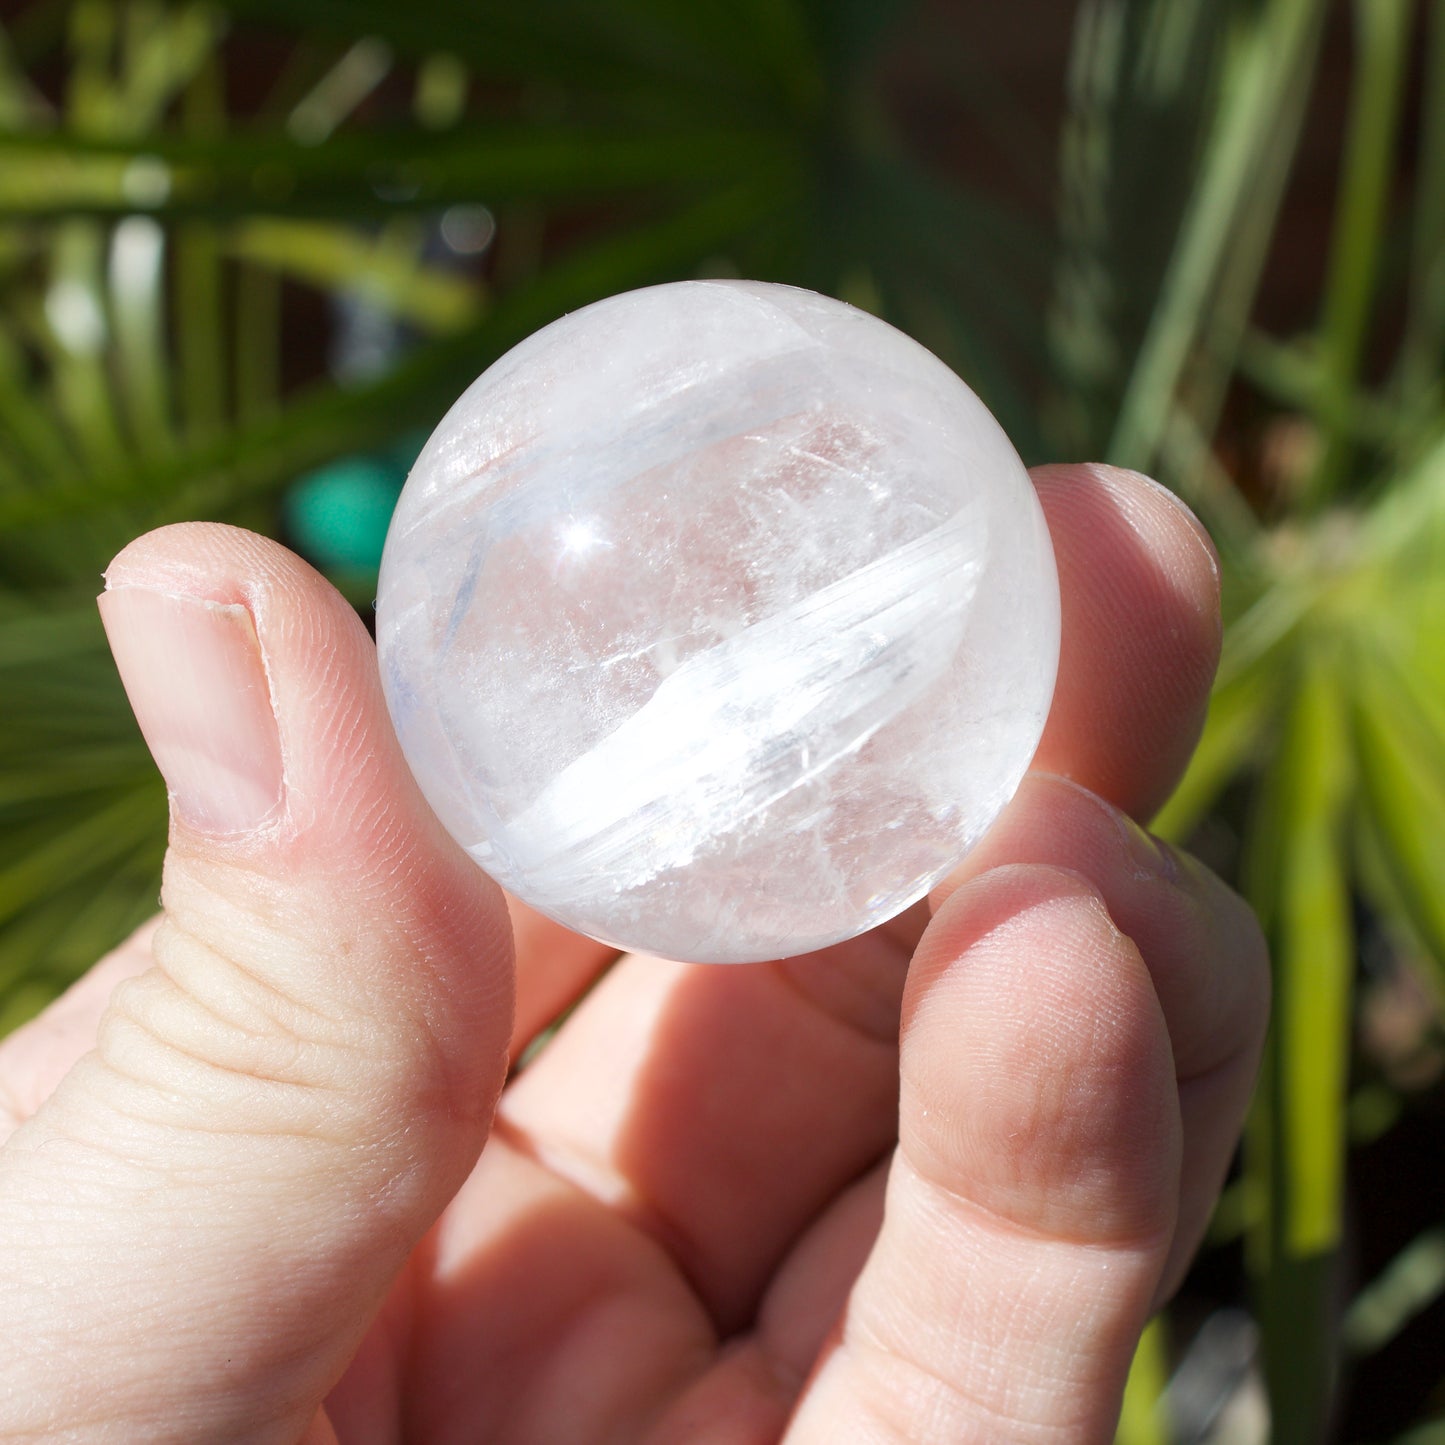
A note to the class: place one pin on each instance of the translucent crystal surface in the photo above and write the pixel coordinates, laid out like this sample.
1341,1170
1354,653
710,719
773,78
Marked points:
718,620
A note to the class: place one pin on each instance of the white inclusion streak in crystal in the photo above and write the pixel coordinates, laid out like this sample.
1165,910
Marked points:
720,737
830,464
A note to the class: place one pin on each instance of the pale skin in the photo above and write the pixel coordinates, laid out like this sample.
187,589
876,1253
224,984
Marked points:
926,1186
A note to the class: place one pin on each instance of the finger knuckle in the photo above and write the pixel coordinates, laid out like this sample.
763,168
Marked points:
201,1037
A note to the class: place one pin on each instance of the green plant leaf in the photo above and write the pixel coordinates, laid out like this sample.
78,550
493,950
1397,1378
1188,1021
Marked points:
614,48
1418,379
1271,46
1402,773
1236,734
1142,88
1297,877
1141,1420
1383,30
340,258
1430,1433
89,846
370,173
219,472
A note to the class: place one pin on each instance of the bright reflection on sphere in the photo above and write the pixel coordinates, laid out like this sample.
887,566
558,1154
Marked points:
718,621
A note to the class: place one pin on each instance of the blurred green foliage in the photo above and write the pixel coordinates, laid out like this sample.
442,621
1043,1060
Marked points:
185,186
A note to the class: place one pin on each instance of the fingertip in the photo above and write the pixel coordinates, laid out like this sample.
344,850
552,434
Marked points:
1202,942
1162,514
213,562
1037,1075
969,905
1141,627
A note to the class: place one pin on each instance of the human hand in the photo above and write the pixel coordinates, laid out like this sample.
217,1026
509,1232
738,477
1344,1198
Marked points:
242,1198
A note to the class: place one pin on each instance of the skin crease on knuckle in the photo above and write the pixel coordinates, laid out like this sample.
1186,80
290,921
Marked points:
199,1044
298,975
206,1043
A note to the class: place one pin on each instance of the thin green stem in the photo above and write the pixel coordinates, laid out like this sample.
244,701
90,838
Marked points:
199,306
258,343
138,312
1419,375
1297,877
1382,29
31,428
73,329
1227,323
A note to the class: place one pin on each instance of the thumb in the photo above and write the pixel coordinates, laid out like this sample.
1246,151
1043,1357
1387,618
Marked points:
206,1213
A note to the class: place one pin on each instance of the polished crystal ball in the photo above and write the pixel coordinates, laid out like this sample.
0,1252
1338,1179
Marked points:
718,621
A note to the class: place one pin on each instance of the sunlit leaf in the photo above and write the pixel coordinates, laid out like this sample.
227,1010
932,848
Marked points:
1141,1420
344,259
1270,49
1235,735
218,472
93,843
1298,879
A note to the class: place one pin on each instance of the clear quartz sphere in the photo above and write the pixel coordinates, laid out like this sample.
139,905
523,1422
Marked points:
718,620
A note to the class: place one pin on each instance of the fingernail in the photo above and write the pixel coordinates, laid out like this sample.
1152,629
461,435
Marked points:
196,680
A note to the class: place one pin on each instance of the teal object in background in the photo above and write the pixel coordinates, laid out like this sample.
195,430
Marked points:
337,515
